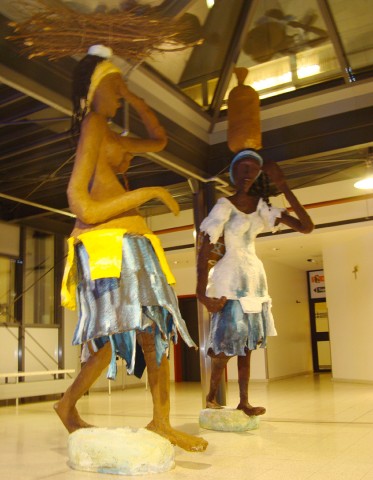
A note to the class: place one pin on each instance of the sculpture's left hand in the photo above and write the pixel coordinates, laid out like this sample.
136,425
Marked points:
274,173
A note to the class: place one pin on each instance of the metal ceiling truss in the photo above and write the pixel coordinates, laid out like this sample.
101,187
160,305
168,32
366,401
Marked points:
336,40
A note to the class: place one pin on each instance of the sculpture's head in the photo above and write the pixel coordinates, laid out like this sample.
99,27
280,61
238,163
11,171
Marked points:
89,74
247,157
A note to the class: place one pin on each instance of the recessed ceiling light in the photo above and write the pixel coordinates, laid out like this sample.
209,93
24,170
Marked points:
367,182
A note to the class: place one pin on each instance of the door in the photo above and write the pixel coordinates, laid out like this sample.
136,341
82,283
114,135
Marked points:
321,356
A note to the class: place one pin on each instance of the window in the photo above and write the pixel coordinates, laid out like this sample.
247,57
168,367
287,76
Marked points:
38,287
7,290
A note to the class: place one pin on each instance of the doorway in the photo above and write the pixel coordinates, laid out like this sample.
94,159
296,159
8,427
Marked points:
320,340
187,365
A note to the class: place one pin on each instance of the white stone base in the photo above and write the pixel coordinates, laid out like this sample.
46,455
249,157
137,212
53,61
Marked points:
121,451
227,420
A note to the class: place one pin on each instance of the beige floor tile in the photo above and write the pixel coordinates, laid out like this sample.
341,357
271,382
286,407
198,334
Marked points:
314,429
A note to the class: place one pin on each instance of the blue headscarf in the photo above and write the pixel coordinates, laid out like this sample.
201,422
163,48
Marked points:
244,154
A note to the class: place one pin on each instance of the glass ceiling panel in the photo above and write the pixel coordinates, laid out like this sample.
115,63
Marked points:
196,70
286,47
354,21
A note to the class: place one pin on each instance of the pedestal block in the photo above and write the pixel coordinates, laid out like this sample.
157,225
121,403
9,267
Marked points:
227,420
121,451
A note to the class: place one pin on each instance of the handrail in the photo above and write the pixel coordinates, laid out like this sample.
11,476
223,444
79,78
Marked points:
31,374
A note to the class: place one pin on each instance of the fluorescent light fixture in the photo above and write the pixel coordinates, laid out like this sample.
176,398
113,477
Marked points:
276,92
272,82
308,71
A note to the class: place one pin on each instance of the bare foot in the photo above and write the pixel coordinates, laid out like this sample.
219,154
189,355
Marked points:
181,439
70,417
250,410
213,404
80,421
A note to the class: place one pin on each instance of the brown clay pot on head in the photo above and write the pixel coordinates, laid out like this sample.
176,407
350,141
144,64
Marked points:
243,116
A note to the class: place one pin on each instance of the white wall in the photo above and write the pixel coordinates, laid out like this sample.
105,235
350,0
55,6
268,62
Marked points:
350,303
258,366
290,352
183,266
168,220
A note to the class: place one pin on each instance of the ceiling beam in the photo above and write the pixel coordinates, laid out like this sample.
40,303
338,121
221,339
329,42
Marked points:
336,40
37,205
23,83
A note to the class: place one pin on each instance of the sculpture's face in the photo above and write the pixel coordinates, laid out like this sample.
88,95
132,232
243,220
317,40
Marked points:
245,172
106,99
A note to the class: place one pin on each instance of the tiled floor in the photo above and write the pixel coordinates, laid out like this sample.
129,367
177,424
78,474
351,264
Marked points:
314,429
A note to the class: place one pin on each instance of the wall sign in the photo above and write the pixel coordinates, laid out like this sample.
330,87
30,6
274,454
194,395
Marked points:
316,284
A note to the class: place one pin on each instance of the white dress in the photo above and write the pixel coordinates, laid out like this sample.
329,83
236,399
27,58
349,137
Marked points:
239,275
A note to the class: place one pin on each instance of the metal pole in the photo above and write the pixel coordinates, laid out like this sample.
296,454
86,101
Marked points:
203,201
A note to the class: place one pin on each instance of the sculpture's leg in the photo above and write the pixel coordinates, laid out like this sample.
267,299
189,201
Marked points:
159,382
243,364
218,365
66,407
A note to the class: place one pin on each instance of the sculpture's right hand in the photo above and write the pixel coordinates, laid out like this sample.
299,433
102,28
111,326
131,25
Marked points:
213,305
168,200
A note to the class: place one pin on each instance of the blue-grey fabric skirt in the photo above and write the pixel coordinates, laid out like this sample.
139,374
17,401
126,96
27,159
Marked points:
233,332
114,309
